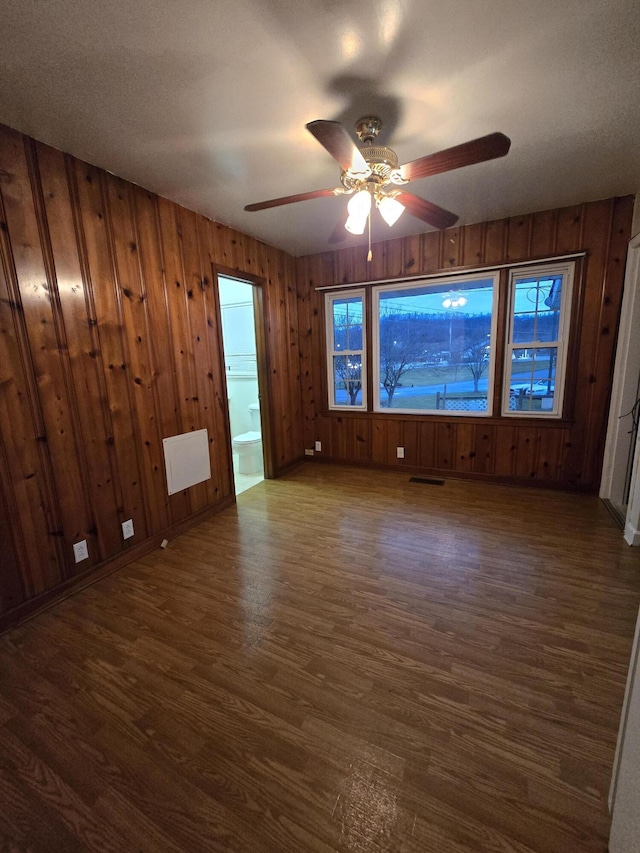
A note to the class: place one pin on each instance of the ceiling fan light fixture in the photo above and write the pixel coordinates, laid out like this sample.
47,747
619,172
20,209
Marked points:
359,208
360,204
355,225
390,208
371,172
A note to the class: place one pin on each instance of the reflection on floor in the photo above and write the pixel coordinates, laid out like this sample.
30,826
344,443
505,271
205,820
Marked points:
245,481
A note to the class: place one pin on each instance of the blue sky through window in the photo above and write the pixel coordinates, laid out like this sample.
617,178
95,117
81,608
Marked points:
428,299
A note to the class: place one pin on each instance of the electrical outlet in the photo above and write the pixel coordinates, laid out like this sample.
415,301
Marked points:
81,551
308,451
400,452
127,529
318,446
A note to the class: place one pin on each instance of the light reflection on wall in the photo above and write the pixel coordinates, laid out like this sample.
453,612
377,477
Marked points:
70,287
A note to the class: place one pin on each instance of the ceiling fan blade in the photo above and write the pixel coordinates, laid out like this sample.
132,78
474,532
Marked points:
339,233
289,199
335,139
475,151
427,210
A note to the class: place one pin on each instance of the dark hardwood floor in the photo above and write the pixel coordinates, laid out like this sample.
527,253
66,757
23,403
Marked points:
345,662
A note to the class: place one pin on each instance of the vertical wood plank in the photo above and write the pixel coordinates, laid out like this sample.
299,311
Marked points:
451,247
196,284
603,353
12,592
345,266
427,444
139,368
27,477
362,436
411,255
473,245
379,440
158,334
209,373
106,320
82,352
495,241
518,238
597,232
27,232
465,447
484,449
304,292
549,455
394,258
527,444
505,447
410,441
446,446
543,232
569,228
430,261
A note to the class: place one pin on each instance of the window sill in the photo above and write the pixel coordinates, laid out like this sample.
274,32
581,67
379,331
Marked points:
450,417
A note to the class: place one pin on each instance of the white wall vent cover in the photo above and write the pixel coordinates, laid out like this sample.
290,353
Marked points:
186,459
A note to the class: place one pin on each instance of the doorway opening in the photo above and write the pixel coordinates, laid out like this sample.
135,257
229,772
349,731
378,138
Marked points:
238,311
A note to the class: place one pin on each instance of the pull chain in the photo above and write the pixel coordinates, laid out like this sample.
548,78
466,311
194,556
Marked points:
370,255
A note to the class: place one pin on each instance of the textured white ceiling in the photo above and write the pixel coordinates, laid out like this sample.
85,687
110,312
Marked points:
205,101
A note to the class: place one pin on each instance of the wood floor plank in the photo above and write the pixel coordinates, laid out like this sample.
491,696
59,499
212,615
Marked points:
344,662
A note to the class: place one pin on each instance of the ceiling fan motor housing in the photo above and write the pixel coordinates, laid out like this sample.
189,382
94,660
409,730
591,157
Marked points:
382,162
383,166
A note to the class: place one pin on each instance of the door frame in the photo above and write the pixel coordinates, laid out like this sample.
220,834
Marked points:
263,362
623,396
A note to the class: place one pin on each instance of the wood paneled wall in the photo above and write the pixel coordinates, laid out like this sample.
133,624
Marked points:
109,342
565,454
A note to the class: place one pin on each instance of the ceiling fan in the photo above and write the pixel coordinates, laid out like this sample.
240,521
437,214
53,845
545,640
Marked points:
372,174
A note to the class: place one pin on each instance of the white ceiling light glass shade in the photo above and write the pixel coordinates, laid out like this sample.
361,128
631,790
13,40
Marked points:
358,208
390,209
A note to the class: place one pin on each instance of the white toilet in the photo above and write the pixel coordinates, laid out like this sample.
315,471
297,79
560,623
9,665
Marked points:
248,445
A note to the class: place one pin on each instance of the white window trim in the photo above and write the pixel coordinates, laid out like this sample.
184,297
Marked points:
329,299
450,282
567,271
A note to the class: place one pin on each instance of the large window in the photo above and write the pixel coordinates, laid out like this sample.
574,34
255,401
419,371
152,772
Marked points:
345,349
536,352
433,344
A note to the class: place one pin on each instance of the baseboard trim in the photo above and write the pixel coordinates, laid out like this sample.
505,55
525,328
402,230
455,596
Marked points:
631,535
290,466
34,606
615,513
414,470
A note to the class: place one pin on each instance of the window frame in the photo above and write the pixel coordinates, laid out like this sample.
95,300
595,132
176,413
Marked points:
571,267
450,282
565,269
330,298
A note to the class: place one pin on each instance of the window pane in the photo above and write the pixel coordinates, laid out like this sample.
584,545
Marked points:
537,309
435,346
532,379
347,380
347,324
